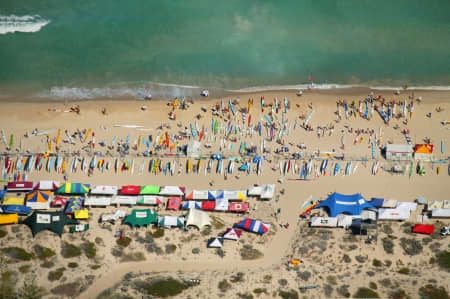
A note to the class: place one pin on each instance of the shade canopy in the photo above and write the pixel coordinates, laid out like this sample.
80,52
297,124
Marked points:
340,203
149,190
73,188
74,204
197,218
141,217
52,221
253,225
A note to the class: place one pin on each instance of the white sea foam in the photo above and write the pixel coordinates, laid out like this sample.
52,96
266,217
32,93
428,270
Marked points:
411,87
290,87
88,93
13,23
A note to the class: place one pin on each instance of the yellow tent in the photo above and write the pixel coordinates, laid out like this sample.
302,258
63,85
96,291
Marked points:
13,201
241,196
81,214
9,218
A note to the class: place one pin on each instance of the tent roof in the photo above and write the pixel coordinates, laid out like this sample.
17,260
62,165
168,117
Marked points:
208,205
108,190
149,200
13,201
149,189
19,209
197,218
423,229
46,185
141,217
377,202
130,189
2,193
52,221
340,203
172,190
9,218
170,221
38,196
253,225
73,188
216,242
74,204
191,204
19,186
81,214
232,234
238,206
423,149
174,203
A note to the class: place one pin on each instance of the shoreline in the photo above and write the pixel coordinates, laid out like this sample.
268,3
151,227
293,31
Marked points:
341,91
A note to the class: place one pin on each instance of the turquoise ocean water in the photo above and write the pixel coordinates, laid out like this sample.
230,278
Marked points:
107,47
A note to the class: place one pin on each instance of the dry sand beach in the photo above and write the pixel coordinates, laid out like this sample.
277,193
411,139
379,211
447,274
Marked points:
255,266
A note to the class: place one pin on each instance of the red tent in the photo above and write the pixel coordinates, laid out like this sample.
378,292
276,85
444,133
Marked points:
232,234
174,203
130,190
238,206
20,186
423,229
59,201
208,205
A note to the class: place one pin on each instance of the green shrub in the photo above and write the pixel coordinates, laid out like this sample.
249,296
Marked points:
346,259
124,242
166,287
48,264
250,253
171,248
304,275
71,289
283,282
89,249
376,263
133,257
3,233
224,285
398,294
24,269
331,279
443,259
42,252
70,250
411,246
431,292
404,270
158,233
388,245
343,291
386,282
373,285
72,265
259,291
365,293
291,294
95,267
387,229
17,253
239,277
56,275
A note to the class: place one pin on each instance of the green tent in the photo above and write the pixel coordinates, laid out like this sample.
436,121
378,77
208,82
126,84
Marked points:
52,221
141,218
149,190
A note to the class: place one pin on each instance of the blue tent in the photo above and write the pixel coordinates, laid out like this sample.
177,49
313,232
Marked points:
349,204
377,202
2,193
191,204
19,209
215,194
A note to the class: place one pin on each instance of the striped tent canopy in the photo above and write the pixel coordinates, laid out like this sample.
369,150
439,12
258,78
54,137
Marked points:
13,201
38,196
59,201
253,225
38,199
73,188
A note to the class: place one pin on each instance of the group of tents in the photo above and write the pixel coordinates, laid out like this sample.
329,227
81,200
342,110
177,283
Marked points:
352,211
72,197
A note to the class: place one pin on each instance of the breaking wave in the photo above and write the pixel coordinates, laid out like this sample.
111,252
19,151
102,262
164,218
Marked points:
13,23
